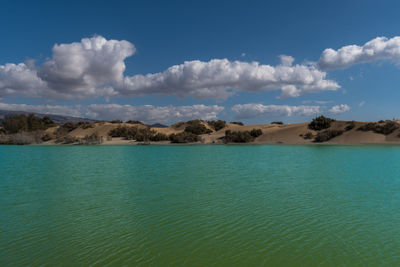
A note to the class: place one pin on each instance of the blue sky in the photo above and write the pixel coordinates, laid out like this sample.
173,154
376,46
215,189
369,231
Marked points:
169,33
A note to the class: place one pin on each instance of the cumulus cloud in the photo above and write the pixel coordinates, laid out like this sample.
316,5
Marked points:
95,67
376,49
145,113
245,111
218,77
75,71
339,109
19,79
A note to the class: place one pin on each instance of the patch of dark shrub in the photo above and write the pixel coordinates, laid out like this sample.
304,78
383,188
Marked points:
277,122
320,123
350,125
237,122
308,135
256,133
387,128
134,122
327,135
132,133
217,125
184,137
23,123
116,121
196,127
159,137
238,137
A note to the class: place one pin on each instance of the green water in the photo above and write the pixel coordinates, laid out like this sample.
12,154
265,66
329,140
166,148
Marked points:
200,205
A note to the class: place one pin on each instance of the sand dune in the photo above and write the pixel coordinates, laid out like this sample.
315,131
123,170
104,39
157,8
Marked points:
271,133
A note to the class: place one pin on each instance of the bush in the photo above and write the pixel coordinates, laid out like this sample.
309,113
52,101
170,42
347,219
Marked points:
197,128
256,133
46,138
132,133
277,122
134,122
116,121
23,123
320,123
184,137
65,129
350,125
238,137
67,140
308,135
85,125
159,137
178,124
386,129
327,135
217,125
237,122
92,139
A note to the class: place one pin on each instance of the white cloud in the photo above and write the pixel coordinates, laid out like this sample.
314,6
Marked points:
339,109
19,79
218,77
95,67
245,111
145,113
376,49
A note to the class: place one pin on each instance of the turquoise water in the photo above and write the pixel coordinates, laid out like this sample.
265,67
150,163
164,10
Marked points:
200,205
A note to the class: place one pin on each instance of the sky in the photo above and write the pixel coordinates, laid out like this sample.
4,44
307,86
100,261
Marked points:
168,61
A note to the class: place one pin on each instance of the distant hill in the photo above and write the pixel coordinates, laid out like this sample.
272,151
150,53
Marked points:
159,125
59,119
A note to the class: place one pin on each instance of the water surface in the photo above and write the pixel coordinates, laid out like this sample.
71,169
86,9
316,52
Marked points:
200,205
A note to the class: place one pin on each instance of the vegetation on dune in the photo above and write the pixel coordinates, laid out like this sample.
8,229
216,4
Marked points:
134,122
386,128
197,128
350,125
159,137
132,133
184,137
237,122
116,121
241,136
327,135
320,123
277,122
217,125
23,123
178,124
308,135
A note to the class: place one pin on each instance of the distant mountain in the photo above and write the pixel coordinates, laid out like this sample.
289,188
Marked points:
159,125
59,119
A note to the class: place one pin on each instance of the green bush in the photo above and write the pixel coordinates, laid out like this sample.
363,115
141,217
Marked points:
238,137
350,125
237,122
46,137
85,125
386,129
184,137
217,125
308,135
320,123
178,124
92,139
23,123
327,135
134,122
116,121
256,133
277,122
197,128
159,137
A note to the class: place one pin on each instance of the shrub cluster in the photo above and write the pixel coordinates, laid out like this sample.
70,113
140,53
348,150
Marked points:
350,125
134,122
327,135
308,135
320,123
116,121
132,133
159,137
93,139
23,123
196,127
387,128
277,122
184,137
178,124
237,122
241,136
217,125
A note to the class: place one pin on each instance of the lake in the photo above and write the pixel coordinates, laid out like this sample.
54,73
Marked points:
200,205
